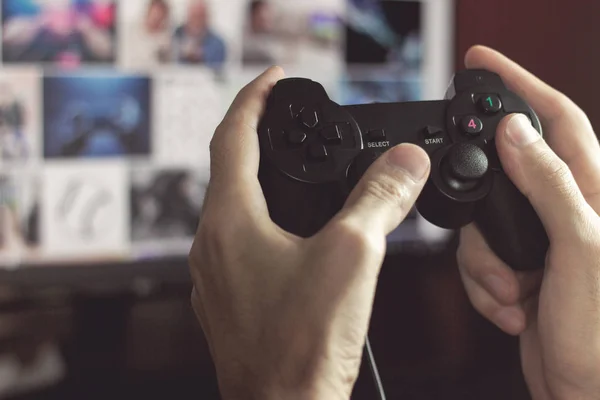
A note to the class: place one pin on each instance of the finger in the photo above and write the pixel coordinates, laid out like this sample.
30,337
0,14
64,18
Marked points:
387,191
568,130
511,319
530,283
543,178
234,148
479,265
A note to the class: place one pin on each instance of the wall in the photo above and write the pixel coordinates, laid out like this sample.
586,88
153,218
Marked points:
555,39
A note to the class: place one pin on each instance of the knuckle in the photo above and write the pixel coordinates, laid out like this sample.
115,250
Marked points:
195,300
211,242
349,236
555,173
563,105
386,190
218,155
566,108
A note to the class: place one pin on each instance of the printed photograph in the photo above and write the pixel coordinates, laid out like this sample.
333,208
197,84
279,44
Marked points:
380,87
181,32
188,107
60,32
19,217
96,115
84,210
165,209
384,32
20,114
288,33
10,228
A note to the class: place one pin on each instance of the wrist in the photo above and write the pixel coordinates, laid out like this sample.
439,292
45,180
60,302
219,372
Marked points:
264,393
253,387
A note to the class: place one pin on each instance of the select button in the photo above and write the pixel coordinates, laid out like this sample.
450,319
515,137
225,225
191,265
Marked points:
376,135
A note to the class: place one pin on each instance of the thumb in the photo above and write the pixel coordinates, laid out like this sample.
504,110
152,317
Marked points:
541,176
387,191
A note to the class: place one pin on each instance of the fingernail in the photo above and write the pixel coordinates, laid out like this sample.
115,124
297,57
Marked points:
411,159
511,320
520,132
498,286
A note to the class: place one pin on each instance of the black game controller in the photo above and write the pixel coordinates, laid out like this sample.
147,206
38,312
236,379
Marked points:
314,151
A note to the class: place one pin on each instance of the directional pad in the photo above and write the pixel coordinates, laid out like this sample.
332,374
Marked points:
317,152
296,136
296,109
332,135
309,117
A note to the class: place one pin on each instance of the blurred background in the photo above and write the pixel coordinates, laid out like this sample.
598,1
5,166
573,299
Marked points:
106,111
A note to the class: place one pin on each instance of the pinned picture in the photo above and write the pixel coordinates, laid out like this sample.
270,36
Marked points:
60,32
188,107
292,34
385,32
180,32
380,88
20,114
165,209
84,210
19,218
97,115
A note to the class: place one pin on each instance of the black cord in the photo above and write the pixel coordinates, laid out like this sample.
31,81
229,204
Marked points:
375,371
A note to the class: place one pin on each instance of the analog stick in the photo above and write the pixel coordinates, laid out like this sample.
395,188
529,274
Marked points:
464,166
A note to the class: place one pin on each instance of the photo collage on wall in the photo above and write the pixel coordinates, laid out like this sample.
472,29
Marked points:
107,107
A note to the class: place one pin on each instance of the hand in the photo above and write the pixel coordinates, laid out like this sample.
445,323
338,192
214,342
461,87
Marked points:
192,51
556,311
287,317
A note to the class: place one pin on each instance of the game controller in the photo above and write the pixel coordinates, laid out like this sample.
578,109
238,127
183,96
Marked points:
314,151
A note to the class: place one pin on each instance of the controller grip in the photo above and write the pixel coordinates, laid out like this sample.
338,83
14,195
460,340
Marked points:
297,207
511,227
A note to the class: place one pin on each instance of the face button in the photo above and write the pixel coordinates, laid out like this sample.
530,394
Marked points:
431,131
295,110
296,136
332,135
464,166
317,152
471,125
309,117
376,135
490,104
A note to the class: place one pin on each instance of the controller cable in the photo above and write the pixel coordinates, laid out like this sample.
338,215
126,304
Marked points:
374,371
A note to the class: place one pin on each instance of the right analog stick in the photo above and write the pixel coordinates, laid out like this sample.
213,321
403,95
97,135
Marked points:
463,166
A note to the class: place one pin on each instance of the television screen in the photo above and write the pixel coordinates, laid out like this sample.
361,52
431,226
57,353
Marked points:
107,108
